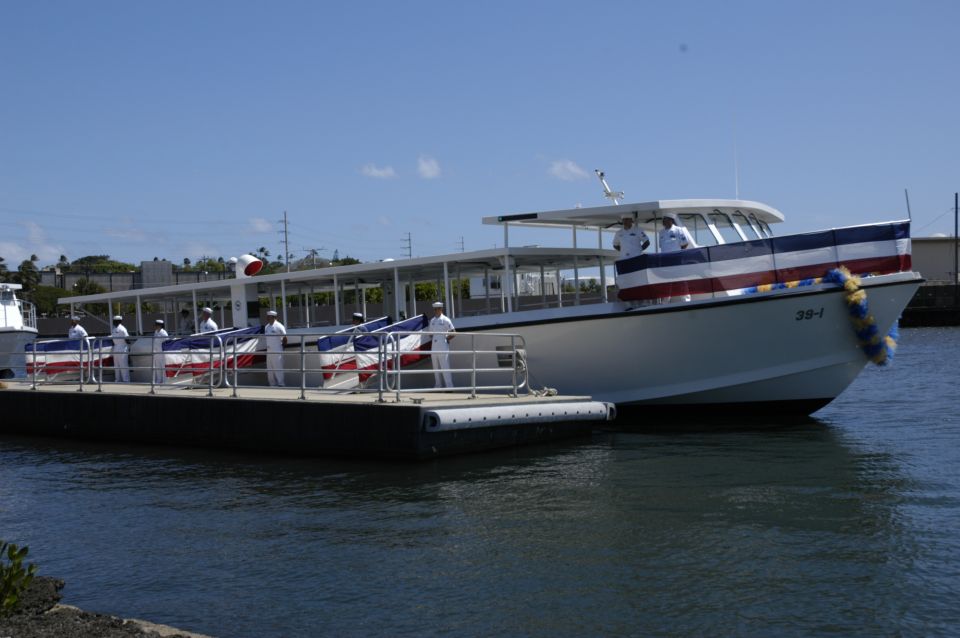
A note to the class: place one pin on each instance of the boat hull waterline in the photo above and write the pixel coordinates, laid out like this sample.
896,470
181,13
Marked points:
760,351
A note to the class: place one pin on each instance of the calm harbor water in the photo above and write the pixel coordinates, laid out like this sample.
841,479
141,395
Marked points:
847,524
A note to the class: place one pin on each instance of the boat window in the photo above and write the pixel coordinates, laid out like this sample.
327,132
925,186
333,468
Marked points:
748,229
725,227
763,226
6,295
697,225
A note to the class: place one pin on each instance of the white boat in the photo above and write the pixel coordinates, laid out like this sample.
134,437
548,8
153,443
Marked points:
18,327
744,323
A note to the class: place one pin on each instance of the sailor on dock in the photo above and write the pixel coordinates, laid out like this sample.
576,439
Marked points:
276,340
159,362
207,324
356,320
629,240
440,325
76,331
121,367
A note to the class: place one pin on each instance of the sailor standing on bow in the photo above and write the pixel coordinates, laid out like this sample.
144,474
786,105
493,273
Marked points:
276,339
673,236
121,367
630,240
440,325
207,324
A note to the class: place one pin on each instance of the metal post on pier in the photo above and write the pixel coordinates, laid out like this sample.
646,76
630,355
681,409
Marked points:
956,251
303,369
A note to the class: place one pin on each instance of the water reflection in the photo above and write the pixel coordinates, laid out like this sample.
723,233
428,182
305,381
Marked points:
627,533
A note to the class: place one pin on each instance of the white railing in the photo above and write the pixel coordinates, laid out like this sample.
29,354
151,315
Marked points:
487,363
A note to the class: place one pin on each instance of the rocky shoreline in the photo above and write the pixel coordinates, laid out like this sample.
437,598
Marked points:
40,615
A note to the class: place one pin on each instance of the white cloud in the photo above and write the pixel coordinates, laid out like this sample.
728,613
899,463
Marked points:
35,244
567,170
428,167
372,170
260,225
126,231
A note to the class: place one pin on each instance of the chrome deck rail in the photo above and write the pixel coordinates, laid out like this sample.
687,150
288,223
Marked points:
398,363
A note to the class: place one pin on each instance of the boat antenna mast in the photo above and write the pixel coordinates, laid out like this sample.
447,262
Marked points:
616,196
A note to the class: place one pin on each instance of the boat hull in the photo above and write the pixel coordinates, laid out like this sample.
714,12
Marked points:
12,358
784,352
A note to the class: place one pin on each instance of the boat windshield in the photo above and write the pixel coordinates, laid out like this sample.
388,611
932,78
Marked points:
6,295
697,225
746,227
725,227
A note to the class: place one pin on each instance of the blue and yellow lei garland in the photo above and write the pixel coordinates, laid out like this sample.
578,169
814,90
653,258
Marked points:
879,349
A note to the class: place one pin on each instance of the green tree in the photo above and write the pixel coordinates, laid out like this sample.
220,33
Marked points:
4,272
45,298
99,264
27,275
209,264
86,286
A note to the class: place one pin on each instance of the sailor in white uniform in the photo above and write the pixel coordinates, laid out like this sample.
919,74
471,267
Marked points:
440,346
673,236
355,321
276,338
207,324
76,331
159,362
630,240
121,367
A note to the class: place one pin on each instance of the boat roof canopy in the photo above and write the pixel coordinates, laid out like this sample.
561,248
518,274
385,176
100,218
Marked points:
645,213
374,274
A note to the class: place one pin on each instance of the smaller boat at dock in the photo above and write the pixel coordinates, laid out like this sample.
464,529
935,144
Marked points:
18,327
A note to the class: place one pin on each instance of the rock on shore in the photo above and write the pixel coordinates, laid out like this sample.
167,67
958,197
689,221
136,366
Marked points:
41,616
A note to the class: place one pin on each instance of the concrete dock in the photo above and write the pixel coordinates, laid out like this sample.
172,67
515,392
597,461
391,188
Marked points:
277,420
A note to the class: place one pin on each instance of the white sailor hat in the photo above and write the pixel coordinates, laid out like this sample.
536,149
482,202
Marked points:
117,318
74,318
671,216
271,313
207,309
158,321
358,315
626,217
438,304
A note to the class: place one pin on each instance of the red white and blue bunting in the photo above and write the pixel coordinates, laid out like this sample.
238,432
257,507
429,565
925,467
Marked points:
762,263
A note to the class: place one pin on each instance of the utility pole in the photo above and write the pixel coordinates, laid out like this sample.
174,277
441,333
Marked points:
409,246
286,240
312,254
461,243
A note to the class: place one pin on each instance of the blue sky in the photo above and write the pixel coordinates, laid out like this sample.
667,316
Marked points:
183,129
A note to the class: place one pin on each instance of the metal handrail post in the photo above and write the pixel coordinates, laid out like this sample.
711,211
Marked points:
303,370
381,365
513,355
210,364
153,363
473,371
33,353
396,367
236,372
100,366
82,348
